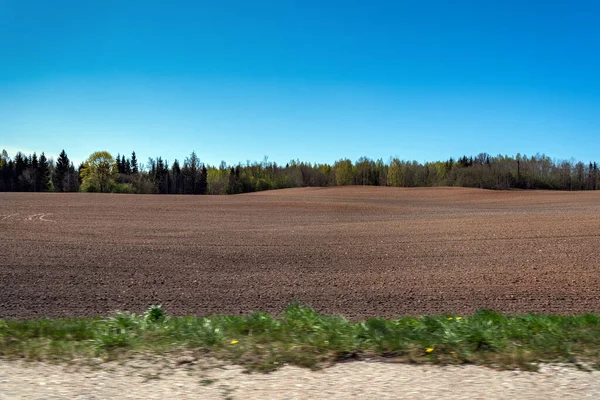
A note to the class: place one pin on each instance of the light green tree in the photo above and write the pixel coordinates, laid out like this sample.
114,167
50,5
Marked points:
395,175
344,174
98,171
217,180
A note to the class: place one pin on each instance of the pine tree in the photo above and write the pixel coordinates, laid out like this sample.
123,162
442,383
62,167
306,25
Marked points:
20,167
73,180
235,184
123,165
152,167
231,182
8,176
161,176
34,180
6,172
61,172
203,181
43,174
118,162
176,169
191,175
134,164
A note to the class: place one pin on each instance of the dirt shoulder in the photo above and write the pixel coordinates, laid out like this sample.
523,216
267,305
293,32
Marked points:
211,379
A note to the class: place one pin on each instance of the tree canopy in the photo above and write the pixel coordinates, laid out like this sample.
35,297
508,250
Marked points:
103,173
98,171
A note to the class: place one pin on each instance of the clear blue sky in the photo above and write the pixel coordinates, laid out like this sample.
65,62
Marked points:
313,80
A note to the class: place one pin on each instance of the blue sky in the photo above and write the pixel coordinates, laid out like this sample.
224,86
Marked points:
309,80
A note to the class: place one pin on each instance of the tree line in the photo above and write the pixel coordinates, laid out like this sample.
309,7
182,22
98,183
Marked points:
102,172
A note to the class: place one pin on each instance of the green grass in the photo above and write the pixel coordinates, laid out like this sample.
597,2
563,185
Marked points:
300,336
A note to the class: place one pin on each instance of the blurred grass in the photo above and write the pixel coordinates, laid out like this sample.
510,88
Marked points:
301,336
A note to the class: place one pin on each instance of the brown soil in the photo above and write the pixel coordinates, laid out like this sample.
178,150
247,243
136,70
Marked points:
357,251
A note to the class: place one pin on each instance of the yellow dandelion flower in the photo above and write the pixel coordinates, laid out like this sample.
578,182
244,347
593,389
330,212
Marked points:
235,341
452,352
450,319
458,318
429,349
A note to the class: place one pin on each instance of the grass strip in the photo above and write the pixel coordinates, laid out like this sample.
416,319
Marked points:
301,336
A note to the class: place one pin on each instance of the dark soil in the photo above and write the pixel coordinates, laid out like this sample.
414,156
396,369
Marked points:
356,251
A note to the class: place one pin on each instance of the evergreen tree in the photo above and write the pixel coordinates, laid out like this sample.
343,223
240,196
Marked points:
152,168
43,174
61,172
191,174
178,184
231,182
33,173
73,180
33,182
235,184
6,173
118,162
161,177
20,167
128,167
203,181
134,164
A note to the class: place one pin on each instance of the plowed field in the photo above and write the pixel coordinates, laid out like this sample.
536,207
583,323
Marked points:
356,251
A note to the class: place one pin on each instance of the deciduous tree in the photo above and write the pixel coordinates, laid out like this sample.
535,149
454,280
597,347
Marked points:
98,170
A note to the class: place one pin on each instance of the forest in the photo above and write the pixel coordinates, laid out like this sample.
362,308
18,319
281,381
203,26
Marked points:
102,172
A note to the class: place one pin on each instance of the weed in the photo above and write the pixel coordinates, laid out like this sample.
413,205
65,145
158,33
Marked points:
303,337
154,314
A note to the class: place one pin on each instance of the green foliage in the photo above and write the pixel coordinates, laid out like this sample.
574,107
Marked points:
262,184
64,177
395,173
116,332
43,181
155,314
98,171
343,172
127,188
217,180
90,186
304,337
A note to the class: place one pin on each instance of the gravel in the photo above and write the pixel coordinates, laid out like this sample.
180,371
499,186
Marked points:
211,379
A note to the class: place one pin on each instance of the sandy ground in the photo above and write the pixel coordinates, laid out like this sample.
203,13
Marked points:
355,251
210,379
